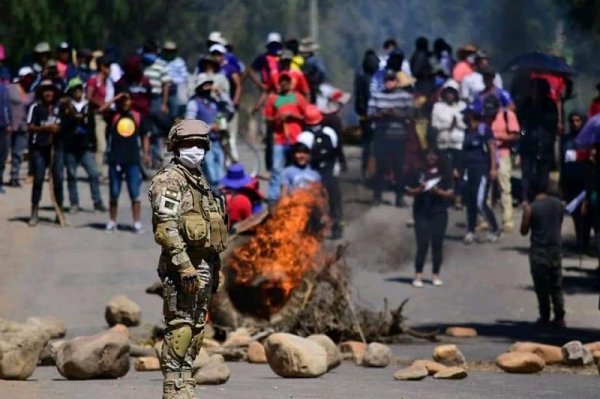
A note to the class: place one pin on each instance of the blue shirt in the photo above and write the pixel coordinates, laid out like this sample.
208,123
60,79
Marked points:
296,178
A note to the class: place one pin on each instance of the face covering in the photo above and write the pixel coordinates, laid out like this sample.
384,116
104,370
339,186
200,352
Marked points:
191,157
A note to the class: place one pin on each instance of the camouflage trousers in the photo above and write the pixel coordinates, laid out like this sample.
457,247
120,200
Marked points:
185,317
546,272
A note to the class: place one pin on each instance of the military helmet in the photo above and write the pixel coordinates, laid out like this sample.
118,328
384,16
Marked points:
188,129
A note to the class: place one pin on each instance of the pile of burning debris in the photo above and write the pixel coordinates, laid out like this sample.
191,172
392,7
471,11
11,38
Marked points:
282,277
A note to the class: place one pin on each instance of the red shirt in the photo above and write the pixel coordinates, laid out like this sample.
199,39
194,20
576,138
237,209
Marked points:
239,207
299,82
291,104
594,107
98,88
556,82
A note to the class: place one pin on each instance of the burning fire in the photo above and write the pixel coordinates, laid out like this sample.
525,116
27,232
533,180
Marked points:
277,257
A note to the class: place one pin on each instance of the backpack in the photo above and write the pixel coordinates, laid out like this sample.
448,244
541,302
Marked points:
324,149
490,106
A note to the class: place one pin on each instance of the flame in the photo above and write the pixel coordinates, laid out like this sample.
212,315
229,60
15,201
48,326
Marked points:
283,249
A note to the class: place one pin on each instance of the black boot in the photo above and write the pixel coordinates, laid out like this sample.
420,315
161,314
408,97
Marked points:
34,218
337,231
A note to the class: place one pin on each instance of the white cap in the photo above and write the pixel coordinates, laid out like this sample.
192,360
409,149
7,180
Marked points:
306,138
452,83
24,71
274,37
218,48
217,37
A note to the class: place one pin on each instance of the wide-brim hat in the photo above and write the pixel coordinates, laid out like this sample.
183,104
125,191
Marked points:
202,79
42,47
308,45
405,80
169,45
46,84
236,177
217,37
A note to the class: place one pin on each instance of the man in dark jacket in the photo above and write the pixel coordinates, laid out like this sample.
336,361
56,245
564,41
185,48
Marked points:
362,84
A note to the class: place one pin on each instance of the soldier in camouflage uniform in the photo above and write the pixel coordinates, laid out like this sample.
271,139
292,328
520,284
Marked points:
189,224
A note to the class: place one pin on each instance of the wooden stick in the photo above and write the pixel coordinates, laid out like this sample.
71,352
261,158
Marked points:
57,208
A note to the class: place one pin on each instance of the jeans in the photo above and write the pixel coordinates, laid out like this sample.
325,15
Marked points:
476,192
19,142
214,164
133,178
4,140
534,169
430,227
278,163
86,159
41,160
389,152
504,174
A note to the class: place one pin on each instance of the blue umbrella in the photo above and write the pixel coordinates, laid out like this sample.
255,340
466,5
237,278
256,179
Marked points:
541,62
590,133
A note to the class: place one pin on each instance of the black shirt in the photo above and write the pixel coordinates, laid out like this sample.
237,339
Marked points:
125,134
426,201
546,220
42,115
79,128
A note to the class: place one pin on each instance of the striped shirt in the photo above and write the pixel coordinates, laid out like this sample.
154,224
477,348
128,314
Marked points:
157,75
388,100
391,112
177,70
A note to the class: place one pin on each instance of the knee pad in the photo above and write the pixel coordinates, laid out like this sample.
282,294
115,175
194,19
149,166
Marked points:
180,341
196,345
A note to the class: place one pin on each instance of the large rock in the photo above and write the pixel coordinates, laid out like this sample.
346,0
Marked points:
431,366
214,373
122,310
202,359
451,373
334,358
293,356
48,354
461,332
377,355
20,348
55,327
412,373
549,353
239,337
256,353
576,354
105,355
448,355
520,362
147,363
593,346
353,350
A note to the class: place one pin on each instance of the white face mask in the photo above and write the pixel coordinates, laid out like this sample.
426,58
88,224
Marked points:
191,157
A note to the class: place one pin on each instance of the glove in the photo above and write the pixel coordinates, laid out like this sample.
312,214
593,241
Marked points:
190,281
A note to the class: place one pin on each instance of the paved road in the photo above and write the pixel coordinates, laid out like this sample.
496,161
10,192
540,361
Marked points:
73,272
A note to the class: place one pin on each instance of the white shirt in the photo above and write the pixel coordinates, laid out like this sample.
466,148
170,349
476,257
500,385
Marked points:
441,119
473,84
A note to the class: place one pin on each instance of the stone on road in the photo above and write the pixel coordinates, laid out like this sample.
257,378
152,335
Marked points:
20,348
293,356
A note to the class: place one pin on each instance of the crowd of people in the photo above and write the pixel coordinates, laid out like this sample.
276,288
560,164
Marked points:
438,126
441,127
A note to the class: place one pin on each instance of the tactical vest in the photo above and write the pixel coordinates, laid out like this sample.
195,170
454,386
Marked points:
205,224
